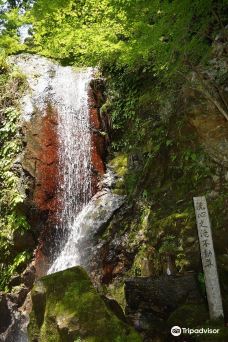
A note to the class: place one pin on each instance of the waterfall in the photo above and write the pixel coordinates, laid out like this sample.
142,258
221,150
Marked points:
58,96
71,94
66,91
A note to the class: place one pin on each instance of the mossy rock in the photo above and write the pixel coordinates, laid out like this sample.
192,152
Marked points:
119,164
69,309
116,291
189,316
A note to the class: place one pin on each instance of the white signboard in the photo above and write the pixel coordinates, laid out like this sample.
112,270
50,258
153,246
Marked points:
208,258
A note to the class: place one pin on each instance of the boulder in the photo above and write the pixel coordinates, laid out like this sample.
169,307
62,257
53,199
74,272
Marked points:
150,301
67,308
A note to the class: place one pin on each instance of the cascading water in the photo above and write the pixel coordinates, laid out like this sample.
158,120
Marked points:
66,90
74,156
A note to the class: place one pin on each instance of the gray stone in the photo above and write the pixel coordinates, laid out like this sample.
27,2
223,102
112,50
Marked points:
158,297
102,207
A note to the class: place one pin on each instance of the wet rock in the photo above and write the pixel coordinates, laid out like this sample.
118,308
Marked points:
72,309
90,223
40,158
108,181
14,307
98,88
113,255
101,209
99,129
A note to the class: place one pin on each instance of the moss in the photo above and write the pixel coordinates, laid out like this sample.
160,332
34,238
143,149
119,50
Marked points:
142,266
172,223
116,291
189,316
75,310
119,164
178,234
34,326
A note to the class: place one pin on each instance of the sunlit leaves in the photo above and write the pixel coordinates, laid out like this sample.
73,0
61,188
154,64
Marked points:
129,33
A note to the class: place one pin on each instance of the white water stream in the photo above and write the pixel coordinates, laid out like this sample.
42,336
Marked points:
66,90
71,92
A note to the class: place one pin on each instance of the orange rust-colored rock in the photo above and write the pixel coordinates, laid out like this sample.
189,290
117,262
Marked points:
41,162
47,166
98,140
41,159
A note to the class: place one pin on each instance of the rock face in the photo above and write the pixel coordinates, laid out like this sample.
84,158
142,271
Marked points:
97,215
152,301
66,307
161,295
41,158
99,128
212,131
100,210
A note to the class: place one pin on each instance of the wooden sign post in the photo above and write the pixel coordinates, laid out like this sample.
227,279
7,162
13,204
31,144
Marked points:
208,258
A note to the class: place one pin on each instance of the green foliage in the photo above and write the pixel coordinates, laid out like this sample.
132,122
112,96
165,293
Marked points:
21,259
134,42
12,17
11,194
159,35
